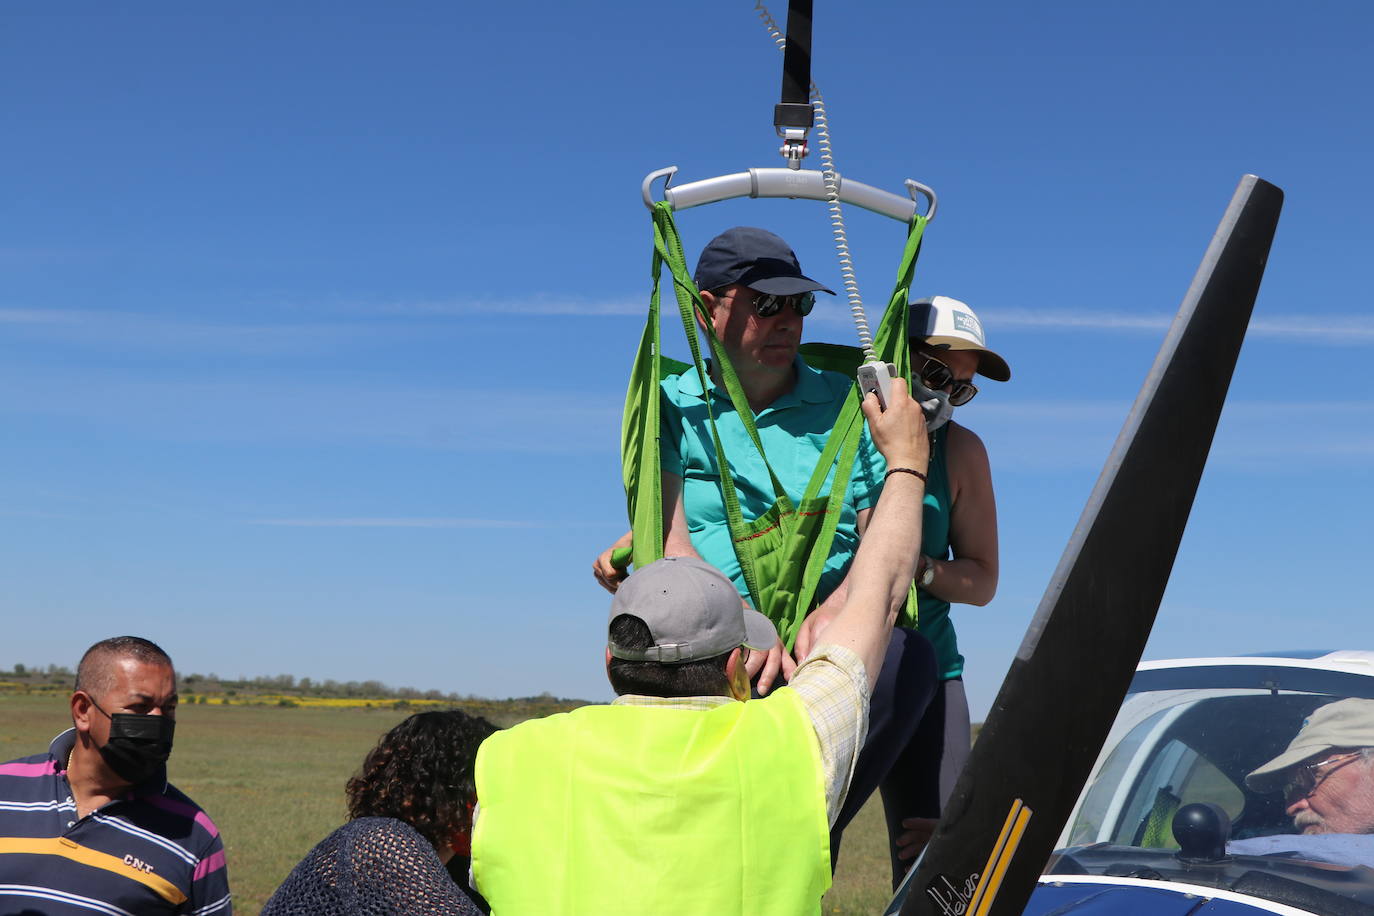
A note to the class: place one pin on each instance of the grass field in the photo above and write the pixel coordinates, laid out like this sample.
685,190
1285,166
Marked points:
272,778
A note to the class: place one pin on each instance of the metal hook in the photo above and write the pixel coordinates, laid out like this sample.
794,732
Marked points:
914,187
646,188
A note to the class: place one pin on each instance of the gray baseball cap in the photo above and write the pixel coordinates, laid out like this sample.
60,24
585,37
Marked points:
1342,724
692,611
757,258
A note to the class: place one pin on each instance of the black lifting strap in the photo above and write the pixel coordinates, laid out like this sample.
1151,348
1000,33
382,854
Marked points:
795,108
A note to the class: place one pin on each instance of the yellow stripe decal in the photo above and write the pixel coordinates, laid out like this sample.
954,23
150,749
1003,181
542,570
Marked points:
991,880
61,846
1022,818
986,873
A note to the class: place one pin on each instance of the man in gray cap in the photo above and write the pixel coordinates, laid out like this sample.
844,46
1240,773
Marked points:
678,797
1327,778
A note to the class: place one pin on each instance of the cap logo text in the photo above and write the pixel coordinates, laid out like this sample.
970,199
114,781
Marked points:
963,321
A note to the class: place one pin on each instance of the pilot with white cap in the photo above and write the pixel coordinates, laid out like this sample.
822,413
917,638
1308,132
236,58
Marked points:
1327,772
1326,775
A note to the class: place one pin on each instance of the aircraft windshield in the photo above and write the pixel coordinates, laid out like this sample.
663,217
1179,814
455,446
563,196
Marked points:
1171,749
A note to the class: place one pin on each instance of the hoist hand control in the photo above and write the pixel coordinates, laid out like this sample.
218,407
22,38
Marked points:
877,377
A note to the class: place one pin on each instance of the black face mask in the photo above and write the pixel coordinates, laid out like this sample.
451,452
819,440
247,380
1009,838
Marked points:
139,745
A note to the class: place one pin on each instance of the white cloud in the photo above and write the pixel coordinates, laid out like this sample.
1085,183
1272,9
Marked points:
1256,435
124,329
345,325
125,332
1317,329
288,410
468,523
1081,319
40,316
1334,330
527,305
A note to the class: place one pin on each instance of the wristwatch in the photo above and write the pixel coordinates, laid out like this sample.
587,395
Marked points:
928,575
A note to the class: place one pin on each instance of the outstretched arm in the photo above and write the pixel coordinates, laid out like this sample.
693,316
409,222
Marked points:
881,574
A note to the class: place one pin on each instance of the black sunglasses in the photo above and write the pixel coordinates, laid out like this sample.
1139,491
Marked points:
766,305
936,375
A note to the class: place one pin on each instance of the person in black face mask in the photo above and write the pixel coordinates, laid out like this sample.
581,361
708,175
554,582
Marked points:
96,821
139,744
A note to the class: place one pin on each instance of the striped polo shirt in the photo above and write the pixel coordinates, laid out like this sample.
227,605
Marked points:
154,851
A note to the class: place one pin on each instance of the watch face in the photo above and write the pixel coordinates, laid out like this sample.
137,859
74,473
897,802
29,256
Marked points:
927,577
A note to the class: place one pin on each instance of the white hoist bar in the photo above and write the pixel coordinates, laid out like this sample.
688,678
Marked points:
793,183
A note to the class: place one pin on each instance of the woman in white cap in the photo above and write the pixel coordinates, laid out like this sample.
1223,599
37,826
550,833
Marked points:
958,562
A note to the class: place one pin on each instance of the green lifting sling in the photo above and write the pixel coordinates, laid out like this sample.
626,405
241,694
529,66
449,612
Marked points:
783,552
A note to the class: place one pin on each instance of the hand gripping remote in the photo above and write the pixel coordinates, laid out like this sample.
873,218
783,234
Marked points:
877,377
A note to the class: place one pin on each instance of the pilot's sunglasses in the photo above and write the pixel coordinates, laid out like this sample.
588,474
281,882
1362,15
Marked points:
936,375
1305,780
766,305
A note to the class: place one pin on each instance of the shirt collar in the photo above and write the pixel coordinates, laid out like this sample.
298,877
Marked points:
61,749
637,699
810,387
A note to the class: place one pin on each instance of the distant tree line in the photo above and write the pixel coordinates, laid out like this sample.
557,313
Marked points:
60,677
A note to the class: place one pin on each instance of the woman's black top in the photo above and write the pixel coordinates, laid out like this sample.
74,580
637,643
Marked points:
372,865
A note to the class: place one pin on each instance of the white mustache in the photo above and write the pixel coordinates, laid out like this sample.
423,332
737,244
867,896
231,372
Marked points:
1305,819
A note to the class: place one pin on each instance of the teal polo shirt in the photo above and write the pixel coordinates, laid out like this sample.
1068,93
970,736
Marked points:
794,429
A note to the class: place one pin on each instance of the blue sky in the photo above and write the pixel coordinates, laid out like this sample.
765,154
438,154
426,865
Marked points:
315,319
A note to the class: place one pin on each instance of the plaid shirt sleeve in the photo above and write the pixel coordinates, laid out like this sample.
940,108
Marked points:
833,686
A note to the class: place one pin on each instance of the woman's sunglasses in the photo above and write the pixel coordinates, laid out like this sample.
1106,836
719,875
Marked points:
766,305
936,375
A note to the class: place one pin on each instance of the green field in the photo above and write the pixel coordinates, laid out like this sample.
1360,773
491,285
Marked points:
272,778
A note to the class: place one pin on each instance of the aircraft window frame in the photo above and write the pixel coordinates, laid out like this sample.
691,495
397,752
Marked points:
1124,783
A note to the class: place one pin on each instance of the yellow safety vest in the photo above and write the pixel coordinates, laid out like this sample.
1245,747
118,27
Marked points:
647,810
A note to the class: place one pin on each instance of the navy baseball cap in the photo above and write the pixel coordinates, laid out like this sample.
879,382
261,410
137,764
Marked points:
756,258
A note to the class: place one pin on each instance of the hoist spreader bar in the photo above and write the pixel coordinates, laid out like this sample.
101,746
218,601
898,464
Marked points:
792,183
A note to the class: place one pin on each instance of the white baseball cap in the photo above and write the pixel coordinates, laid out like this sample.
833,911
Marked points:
945,322
1343,724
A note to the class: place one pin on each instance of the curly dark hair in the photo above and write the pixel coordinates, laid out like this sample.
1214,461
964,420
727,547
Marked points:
421,772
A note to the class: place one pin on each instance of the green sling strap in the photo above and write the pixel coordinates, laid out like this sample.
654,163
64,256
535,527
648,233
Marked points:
783,552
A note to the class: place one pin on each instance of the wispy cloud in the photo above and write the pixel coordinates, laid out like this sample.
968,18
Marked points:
1046,412
1333,330
467,523
1254,435
525,305
36,514
364,321
127,331
288,410
1336,331
338,325
1077,319
41,316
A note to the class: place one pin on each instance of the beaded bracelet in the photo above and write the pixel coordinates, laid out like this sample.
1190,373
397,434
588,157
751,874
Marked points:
912,471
